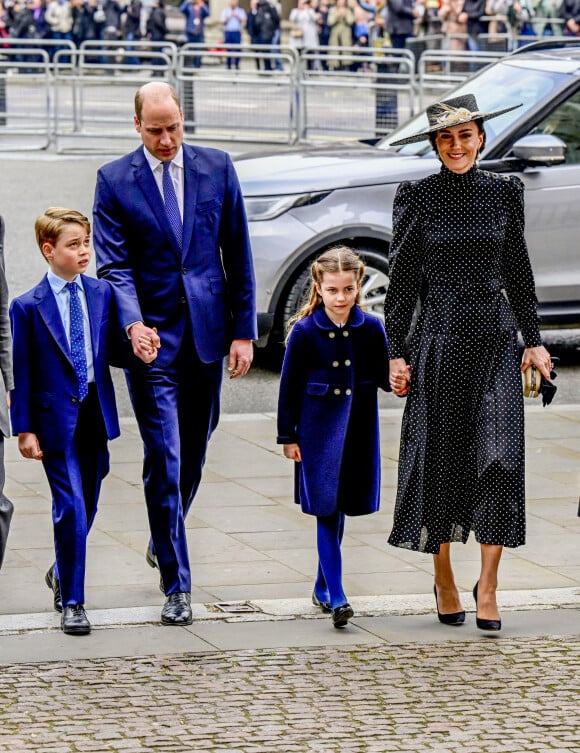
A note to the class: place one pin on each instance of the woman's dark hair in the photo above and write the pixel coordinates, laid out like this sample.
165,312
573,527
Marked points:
478,122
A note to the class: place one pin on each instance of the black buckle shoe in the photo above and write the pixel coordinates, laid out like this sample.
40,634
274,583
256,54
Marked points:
74,620
177,610
52,582
341,615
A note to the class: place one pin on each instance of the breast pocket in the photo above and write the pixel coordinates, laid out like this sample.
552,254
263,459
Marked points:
317,389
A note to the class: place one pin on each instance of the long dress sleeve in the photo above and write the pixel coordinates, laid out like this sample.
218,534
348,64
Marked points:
292,381
517,270
405,269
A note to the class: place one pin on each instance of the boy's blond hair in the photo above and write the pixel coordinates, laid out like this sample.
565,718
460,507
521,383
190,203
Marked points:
49,226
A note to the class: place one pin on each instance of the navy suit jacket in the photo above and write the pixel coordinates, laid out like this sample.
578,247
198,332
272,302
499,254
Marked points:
45,398
210,281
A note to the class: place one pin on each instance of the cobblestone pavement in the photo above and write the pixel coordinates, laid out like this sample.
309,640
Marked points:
492,696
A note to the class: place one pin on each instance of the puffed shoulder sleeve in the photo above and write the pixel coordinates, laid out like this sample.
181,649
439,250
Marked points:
517,269
405,267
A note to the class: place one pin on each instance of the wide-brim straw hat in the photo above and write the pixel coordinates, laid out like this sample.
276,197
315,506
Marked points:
449,113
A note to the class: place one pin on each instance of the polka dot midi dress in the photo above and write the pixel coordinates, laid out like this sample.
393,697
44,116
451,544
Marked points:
458,243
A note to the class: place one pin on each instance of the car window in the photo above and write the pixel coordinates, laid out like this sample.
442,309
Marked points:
498,86
563,122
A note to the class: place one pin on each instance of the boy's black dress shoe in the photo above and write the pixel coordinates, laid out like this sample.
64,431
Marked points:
177,610
341,615
74,620
481,623
54,586
324,605
453,618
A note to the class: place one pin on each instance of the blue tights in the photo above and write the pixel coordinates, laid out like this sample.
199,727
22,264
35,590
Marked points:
328,586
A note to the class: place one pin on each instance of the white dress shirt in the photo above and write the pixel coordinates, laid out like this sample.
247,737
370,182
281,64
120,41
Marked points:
62,296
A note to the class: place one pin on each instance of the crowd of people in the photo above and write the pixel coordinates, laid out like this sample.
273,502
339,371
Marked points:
312,23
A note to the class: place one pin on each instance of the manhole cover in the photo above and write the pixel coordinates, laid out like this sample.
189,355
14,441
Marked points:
236,606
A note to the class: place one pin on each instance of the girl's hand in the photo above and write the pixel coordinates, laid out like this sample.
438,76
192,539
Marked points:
540,358
292,452
399,376
29,446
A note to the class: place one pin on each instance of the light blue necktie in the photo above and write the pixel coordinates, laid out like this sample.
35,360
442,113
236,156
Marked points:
171,205
77,340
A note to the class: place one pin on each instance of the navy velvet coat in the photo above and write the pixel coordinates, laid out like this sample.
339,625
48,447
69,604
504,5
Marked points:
328,406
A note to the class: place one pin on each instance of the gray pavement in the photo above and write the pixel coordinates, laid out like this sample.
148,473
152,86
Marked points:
260,669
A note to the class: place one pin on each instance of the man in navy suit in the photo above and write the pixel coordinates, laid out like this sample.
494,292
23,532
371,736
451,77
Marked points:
171,236
63,403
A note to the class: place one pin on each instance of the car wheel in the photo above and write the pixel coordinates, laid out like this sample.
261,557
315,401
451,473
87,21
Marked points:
373,291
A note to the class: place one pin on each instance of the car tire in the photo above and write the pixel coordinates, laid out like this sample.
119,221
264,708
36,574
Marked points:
374,287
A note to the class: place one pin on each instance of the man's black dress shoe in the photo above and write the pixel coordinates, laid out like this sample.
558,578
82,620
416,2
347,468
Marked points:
324,605
74,620
341,615
481,623
452,618
54,586
177,610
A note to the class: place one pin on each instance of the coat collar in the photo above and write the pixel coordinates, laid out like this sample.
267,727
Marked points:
355,319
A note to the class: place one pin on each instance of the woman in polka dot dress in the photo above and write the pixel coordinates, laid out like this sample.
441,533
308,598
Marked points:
458,242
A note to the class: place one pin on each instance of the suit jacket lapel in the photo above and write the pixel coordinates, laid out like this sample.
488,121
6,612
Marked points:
191,179
146,183
48,310
95,309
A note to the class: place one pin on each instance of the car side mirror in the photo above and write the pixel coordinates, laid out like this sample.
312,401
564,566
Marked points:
540,149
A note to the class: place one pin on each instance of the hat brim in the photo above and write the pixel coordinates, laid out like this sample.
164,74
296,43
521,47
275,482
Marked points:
424,135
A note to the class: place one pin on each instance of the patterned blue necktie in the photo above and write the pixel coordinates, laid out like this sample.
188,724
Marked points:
77,340
171,205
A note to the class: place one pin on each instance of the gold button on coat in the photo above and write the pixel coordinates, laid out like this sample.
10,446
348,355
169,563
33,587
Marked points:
337,391
331,335
335,364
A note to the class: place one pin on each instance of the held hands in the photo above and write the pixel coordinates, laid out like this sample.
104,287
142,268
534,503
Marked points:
29,446
292,452
145,342
399,376
540,358
241,357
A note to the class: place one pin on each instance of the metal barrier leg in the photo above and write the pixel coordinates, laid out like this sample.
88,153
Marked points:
386,106
2,101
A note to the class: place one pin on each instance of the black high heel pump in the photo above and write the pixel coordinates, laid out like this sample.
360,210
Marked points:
455,618
484,624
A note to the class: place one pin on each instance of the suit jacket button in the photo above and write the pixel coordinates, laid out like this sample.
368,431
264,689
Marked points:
347,362
184,271
335,364
75,399
337,391
331,335
348,392
183,299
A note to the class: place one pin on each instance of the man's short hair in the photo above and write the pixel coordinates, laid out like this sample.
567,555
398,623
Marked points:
139,97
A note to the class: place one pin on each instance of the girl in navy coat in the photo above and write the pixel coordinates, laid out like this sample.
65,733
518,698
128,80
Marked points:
335,360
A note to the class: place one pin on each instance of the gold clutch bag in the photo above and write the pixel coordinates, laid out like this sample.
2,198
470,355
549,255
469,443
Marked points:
531,381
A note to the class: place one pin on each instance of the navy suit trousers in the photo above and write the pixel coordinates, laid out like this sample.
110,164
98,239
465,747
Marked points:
177,408
75,476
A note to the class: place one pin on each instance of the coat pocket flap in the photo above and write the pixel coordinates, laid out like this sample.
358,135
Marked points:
318,389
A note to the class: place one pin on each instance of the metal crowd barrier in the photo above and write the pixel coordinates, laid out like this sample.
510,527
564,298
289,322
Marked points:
25,86
82,99
93,95
256,100
354,92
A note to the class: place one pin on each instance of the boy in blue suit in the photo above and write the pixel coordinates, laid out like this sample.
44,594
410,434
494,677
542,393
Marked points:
63,405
